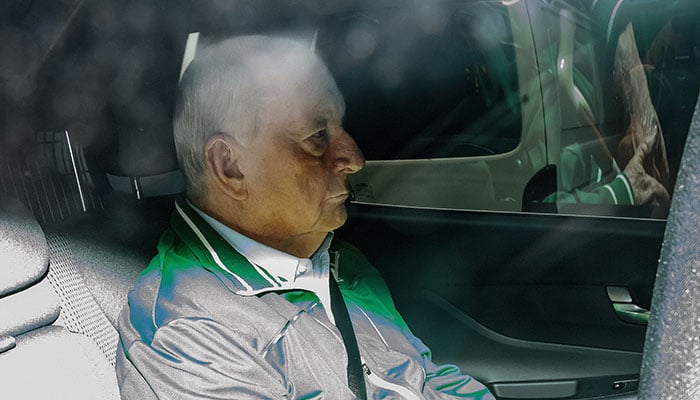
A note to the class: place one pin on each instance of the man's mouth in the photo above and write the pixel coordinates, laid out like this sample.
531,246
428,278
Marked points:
340,196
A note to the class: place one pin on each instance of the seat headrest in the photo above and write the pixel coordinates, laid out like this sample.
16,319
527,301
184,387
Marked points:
24,254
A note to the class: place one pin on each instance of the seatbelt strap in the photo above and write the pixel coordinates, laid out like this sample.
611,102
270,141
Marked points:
356,380
149,186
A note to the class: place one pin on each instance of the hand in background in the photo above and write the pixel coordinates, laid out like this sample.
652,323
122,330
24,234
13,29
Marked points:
642,170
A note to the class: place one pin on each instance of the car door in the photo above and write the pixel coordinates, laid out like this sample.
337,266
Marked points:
549,302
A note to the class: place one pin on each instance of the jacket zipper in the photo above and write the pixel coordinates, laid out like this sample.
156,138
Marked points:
377,380
380,382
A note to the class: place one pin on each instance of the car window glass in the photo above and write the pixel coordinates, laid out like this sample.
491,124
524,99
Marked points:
548,114
427,80
627,66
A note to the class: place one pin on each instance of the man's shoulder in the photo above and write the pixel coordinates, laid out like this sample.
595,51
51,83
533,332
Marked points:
164,293
177,285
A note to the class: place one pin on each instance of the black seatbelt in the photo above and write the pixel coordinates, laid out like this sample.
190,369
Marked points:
356,380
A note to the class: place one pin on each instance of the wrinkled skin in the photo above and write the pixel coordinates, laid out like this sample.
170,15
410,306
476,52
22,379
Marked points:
285,186
646,166
641,151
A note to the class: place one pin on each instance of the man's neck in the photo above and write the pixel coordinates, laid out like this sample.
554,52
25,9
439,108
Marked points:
302,245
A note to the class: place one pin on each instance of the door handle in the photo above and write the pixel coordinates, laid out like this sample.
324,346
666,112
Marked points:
624,308
632,313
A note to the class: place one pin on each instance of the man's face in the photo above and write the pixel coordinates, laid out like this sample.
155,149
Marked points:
298,163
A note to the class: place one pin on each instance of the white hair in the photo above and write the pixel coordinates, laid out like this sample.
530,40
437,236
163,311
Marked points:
219,94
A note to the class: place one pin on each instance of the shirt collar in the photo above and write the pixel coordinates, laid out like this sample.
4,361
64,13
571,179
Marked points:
280,269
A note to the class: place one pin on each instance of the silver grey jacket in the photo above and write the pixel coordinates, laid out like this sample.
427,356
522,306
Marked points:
202,323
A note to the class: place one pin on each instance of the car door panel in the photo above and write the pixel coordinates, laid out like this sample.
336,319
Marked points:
515,298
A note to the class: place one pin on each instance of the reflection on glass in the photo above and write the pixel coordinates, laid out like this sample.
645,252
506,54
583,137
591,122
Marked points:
615,155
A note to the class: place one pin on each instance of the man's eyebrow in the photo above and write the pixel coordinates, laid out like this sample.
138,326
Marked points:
319,123
301,129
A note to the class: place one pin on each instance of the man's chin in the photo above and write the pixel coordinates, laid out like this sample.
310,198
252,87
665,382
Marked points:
337,218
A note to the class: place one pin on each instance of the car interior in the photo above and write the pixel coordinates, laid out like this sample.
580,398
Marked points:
535,305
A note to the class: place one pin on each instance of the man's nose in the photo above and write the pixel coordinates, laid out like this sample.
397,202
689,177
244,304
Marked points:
348,157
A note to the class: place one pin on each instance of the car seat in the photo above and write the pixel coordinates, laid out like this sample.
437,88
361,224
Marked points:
39,357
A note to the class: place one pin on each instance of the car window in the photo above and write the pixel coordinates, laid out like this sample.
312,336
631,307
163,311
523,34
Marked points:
616,71
498,136
439,79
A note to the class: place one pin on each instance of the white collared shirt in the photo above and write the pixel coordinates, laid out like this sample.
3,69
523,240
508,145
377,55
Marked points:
282,270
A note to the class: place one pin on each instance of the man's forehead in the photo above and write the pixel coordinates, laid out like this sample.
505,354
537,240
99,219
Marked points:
311,92
304,112
329,100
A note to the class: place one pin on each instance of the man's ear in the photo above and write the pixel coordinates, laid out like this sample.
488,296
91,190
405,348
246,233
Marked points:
223,162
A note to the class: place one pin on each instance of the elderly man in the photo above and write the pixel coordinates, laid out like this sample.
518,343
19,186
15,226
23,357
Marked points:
249,297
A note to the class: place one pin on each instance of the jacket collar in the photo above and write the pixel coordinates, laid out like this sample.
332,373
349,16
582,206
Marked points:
216,254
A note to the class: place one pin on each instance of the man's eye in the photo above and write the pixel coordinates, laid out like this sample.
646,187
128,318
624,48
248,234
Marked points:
317,143
322,134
